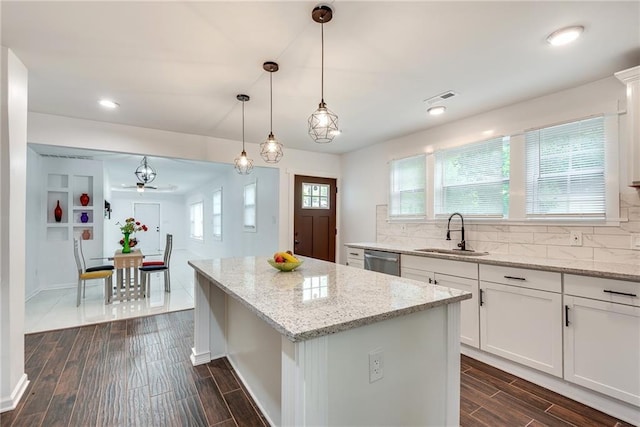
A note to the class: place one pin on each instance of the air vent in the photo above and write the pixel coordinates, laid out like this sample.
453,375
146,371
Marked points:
67,156
441,97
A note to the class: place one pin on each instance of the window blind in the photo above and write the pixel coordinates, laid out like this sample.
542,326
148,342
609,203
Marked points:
565,169
407,195
473,179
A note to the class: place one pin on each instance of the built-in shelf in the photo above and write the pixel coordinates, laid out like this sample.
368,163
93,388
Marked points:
67,190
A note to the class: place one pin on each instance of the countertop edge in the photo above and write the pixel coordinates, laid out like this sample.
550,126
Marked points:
531,265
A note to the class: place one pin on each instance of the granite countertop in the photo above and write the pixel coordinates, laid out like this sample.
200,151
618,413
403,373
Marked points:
607,270
321,298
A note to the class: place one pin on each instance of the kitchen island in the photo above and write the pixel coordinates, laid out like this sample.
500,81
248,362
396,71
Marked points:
309,344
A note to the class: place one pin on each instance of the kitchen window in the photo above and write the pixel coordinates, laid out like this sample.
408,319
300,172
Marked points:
250,197
196,221
565,170
217,214
473,179
407,198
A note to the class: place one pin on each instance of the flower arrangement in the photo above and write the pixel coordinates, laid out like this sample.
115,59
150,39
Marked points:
131,226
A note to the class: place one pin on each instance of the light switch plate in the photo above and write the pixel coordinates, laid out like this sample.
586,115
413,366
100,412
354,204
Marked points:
576,238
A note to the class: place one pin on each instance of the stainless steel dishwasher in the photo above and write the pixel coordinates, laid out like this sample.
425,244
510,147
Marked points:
382,262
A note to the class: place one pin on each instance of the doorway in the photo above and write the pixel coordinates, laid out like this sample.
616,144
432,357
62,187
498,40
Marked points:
314,217
148,214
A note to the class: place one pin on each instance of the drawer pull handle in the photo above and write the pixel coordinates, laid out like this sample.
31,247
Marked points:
627,294
481,293
354,253
514,278
566,316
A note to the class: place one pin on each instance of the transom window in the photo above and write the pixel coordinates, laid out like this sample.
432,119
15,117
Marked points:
315,196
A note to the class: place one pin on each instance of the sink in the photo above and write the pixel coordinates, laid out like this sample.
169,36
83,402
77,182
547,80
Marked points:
453,252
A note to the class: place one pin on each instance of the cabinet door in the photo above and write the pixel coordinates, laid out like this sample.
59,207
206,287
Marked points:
415,274
602,347
469,309
523,325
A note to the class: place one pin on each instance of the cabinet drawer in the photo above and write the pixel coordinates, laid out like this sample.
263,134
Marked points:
521,277
353,262
355,253
443,266
415,274
610,290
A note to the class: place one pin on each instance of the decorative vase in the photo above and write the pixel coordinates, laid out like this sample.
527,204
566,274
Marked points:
86,234
125,246
84,199
84,217
57,212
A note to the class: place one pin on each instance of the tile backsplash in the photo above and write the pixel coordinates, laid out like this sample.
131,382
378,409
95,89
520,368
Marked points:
599,243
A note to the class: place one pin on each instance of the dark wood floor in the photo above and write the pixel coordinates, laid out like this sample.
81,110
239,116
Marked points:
137,372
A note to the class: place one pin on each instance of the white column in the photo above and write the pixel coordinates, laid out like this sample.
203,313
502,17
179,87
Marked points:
201,351
452,414
13,163
631,77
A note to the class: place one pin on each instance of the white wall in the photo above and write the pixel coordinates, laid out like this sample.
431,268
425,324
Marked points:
235,240
363,190
33,222
13,162
172,219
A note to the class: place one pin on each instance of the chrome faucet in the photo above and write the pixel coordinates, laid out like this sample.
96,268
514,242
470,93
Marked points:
462,244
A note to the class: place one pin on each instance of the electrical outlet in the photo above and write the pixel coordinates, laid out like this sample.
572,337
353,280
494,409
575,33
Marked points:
403,227
376,365
635,241
576,238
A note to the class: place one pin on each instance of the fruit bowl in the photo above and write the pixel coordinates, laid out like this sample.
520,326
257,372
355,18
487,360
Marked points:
284,266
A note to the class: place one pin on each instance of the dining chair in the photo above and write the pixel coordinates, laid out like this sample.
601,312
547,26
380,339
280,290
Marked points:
146,270
83,276
84,263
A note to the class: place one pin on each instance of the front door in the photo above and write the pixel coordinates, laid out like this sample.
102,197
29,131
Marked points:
314,221
149,215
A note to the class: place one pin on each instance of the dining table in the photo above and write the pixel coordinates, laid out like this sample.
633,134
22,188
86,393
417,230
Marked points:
128,285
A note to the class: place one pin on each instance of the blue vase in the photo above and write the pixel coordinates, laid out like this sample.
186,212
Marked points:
84,217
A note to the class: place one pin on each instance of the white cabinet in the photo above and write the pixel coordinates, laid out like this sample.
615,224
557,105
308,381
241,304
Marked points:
452,274
355,257
602,336
518,320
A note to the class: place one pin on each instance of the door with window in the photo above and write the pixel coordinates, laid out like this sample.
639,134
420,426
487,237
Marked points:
314,221
149,215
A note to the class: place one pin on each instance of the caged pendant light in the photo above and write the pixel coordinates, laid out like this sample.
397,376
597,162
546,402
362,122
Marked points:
271,149
243,164
144,172
323,124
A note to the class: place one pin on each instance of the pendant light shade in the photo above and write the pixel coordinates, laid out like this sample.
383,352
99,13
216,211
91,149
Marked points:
243,164
144,172
271,149
323,123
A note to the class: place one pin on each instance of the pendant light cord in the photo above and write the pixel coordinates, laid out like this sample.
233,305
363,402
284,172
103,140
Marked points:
243,126
271,101
322,63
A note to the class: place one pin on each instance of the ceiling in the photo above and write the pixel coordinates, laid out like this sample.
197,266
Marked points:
179,65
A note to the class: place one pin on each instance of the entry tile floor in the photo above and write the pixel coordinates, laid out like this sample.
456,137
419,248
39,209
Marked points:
55,309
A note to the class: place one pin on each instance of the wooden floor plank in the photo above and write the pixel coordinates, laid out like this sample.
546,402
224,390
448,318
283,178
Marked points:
495,372
183,384
190,412
492,412
139,407
223,374
242,410
514,403
582,419
214,404
113,408
478,385
164,410
159,377
467,420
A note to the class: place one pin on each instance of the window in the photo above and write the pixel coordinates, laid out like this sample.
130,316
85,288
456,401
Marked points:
315,196
565,169
217,214
250,207
196,220
473,179
408,187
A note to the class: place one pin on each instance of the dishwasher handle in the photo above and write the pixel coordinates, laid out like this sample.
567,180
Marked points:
383,258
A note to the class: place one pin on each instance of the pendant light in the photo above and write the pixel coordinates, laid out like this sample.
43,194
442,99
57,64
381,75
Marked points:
144,172
323,124
243,164
271,149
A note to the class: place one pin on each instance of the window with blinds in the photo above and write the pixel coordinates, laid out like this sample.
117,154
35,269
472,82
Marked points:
196,229
250,216
407,195
565,167
473,179
217,214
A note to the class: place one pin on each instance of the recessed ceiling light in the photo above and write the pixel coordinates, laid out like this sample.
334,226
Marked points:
107,103
488,132
565,35
436,111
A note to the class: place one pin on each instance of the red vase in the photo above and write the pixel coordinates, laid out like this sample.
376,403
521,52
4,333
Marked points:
86,234
57,212
84,199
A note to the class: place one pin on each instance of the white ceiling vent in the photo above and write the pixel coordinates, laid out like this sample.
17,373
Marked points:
441,97
67,156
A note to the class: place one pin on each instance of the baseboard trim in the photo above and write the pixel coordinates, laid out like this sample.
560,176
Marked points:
11,402
616,408
199,359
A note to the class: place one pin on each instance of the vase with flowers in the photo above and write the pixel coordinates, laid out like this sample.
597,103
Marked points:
129,227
